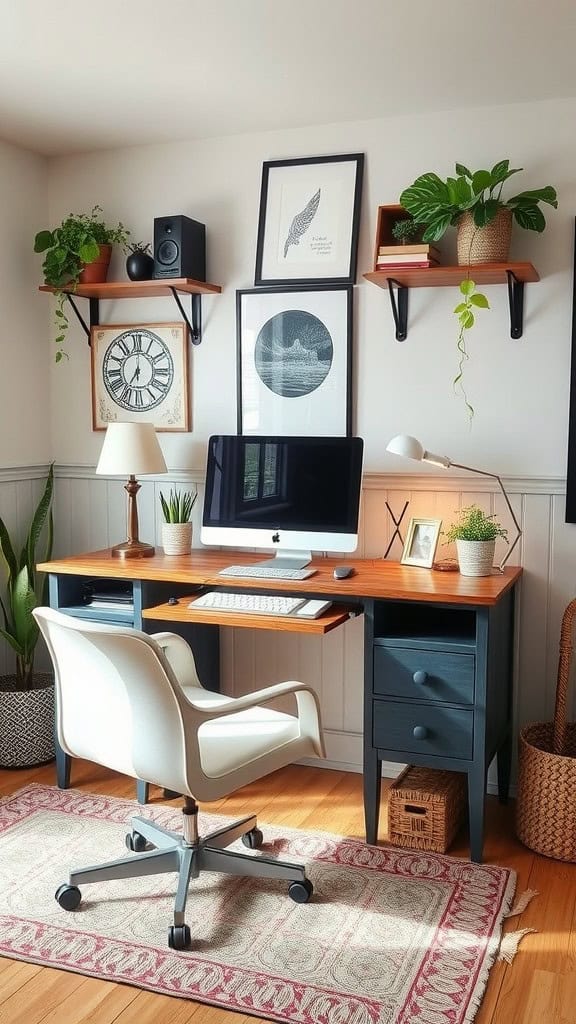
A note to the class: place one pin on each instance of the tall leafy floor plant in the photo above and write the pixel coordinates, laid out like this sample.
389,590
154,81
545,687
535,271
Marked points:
26,698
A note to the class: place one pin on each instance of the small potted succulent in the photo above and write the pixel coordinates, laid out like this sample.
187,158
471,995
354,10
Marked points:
77,252
407,230
140,262
475,534
177,528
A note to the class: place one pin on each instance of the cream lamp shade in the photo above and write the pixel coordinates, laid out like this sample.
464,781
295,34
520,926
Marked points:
410,448
130,449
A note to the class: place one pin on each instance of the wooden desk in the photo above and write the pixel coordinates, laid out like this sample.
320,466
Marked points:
437,651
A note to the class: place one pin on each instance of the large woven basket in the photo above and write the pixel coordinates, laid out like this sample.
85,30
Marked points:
546,804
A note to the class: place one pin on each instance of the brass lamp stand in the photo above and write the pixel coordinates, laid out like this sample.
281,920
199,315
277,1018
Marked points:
130,449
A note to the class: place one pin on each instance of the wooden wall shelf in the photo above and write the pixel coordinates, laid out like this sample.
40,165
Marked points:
515,275
140,290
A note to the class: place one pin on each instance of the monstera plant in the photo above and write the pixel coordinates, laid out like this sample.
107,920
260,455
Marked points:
473,201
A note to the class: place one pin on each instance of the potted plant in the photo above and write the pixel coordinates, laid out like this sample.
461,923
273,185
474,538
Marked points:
475,534
473,201
78,251
177,528
140,262
407,230
26,697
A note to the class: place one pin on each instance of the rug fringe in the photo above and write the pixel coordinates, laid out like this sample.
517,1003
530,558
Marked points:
510,942
522,902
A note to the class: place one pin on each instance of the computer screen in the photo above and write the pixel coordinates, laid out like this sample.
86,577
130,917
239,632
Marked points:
291,495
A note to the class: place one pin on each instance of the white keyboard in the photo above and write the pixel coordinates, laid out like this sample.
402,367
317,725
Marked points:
260,604
266,572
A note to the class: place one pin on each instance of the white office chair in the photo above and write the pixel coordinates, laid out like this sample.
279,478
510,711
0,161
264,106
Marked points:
134,703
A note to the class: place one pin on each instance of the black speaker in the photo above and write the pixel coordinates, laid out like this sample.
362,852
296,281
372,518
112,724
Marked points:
179,247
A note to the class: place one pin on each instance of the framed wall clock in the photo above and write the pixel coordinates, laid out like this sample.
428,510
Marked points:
140,373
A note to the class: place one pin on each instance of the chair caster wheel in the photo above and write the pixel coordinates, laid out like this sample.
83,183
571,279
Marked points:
68,896
136,842
179,936
300,892
253,839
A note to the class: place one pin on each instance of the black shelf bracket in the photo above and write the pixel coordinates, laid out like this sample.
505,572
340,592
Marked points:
194,326
516,303
94,314
399,308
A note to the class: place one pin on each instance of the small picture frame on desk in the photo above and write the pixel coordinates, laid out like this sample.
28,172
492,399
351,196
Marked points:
421,542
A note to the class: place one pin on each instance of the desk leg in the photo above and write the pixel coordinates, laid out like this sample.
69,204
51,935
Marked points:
63,764
372,786
476,801
504,763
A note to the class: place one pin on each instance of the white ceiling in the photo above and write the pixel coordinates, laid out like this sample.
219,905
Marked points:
76,77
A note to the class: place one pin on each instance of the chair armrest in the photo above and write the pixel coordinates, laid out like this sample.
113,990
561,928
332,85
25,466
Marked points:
179,656
307,703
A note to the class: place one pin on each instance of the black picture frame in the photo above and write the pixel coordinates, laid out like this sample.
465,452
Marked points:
311,395
570,516
296,194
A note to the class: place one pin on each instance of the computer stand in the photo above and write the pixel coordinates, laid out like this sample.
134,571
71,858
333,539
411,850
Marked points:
289,560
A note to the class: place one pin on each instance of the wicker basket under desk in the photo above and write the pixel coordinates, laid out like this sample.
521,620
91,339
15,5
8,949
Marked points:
426,807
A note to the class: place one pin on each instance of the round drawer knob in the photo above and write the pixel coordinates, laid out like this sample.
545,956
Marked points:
420,732
420,677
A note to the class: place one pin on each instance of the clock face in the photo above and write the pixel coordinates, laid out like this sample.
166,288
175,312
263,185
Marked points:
138,370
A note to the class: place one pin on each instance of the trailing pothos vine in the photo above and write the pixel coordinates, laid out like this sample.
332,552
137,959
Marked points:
466,318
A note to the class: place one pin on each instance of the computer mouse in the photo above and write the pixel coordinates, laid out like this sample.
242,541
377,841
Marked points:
172,600
341,572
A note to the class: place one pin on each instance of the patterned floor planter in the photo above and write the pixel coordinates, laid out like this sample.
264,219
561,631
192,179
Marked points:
26,722
475,557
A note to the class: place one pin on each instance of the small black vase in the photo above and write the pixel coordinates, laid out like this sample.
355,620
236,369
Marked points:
140,266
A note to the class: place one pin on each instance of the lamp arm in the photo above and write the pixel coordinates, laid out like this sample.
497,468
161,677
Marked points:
483,472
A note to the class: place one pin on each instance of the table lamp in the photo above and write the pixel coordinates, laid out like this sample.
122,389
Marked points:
131,449
411,448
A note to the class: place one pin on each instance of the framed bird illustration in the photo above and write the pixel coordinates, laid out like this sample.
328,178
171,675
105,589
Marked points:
309,220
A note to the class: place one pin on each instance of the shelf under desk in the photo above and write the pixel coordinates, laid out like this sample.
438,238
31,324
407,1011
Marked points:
181,612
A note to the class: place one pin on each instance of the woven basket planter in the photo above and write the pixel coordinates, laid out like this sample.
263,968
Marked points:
26,723
475,557
546,802
490,244
177,538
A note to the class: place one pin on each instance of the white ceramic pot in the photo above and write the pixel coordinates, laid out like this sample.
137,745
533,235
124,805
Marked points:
177,538
476,557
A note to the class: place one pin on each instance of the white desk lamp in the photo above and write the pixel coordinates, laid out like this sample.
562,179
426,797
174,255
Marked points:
411,448
131,449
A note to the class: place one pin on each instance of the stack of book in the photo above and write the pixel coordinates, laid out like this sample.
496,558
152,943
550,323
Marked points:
391,257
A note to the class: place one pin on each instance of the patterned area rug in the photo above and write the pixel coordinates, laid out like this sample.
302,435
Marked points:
390,937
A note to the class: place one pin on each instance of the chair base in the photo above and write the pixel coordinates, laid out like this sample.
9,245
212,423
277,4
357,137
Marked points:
172,852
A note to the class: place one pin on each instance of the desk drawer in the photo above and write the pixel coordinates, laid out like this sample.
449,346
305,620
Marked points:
423,728
420,674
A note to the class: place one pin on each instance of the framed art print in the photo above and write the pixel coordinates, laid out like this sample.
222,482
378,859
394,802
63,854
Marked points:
295,360
309,220
140,373
421,542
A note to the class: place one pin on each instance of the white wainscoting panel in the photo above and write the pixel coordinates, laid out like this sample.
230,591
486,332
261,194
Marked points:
90,513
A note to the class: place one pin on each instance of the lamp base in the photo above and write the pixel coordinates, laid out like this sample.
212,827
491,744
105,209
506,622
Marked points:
132,549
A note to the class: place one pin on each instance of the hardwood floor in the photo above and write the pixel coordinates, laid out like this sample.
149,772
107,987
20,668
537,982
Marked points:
538,988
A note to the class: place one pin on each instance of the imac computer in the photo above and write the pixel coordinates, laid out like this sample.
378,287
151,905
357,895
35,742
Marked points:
290,495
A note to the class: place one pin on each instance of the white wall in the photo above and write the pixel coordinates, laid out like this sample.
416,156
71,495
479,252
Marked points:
518,388
24,357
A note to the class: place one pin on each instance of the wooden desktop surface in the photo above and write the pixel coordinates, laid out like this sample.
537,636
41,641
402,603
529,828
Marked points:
372,577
